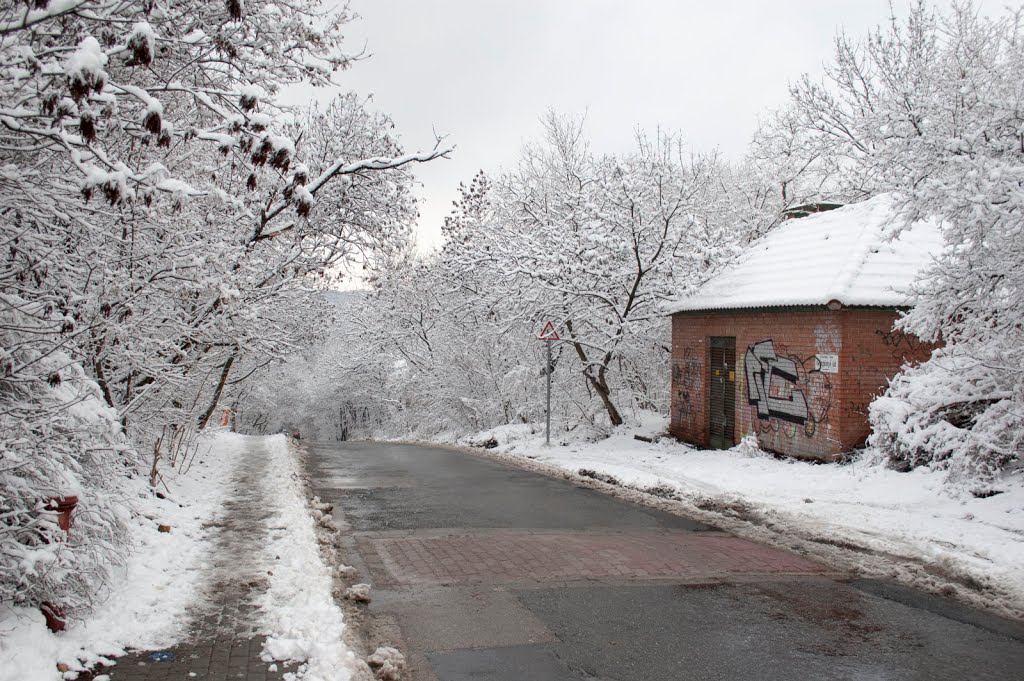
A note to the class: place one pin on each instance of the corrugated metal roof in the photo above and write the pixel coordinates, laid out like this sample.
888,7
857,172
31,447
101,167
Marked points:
843,255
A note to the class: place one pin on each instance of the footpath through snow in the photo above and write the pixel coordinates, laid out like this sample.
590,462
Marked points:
174,581
913,527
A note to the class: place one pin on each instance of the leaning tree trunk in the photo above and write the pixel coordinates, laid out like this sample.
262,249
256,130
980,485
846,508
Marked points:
598,382
216,394
600,386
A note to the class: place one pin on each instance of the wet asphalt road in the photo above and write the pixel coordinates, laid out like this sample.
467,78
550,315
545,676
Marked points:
491,573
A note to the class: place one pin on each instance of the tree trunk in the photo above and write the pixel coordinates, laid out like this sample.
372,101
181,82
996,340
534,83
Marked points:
598,383
216,394
154,471
601,388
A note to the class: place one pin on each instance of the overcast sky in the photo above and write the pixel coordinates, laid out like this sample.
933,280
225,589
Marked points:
483,71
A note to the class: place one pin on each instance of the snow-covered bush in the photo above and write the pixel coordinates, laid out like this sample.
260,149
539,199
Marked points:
57,439
955,412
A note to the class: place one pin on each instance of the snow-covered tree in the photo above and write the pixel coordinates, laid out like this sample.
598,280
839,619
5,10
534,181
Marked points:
931,108
165,222
595,243
591,242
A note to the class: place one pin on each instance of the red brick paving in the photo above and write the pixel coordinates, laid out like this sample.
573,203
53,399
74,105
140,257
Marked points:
517,557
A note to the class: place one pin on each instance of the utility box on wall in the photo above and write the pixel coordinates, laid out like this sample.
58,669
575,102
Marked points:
794,340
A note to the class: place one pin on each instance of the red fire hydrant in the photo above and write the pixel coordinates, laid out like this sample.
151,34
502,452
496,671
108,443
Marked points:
65,506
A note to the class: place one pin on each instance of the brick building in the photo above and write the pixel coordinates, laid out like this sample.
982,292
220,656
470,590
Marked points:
794,340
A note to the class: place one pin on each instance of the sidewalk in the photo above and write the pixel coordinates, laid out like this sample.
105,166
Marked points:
223,642
258,583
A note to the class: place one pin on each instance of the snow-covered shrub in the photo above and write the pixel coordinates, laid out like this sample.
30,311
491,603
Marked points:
954,412
57,439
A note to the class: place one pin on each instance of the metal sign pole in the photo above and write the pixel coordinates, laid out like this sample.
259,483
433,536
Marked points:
547,335
547,428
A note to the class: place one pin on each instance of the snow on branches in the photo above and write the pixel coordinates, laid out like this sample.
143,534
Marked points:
591,242
84,69
57,439
928,108
597,242
161,225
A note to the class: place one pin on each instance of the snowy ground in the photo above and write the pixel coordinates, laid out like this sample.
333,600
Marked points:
148,609
910,526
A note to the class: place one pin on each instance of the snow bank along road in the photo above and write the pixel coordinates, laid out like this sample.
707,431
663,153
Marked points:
488,572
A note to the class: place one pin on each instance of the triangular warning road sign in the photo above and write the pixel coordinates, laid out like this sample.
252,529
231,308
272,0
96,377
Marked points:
549,333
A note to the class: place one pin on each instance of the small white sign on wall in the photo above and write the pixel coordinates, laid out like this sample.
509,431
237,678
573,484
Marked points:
828,364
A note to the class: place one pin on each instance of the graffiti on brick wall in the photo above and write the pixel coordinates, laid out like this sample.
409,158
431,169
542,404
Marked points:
785,390
687,377
901,345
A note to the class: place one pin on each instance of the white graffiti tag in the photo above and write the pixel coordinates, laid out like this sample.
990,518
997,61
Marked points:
762,365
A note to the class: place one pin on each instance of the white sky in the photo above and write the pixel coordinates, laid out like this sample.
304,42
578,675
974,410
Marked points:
482,72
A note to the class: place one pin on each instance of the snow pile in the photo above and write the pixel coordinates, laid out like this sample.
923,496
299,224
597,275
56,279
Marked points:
360,593
28,651
300,616
913,526
387,663
152,595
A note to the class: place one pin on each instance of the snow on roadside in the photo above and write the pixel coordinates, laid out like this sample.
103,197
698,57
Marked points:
300,617
895,522
146,608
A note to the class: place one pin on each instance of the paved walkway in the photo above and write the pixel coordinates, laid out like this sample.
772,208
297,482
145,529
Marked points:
222,644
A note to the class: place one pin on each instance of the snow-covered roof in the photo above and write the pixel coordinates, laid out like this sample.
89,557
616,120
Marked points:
843,255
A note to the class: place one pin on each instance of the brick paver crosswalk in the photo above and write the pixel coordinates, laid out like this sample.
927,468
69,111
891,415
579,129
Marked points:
530,556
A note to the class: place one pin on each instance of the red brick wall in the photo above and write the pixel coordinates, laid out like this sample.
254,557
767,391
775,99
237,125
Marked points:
782,393
872,354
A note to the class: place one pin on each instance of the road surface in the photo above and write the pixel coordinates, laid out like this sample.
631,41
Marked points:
492,573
